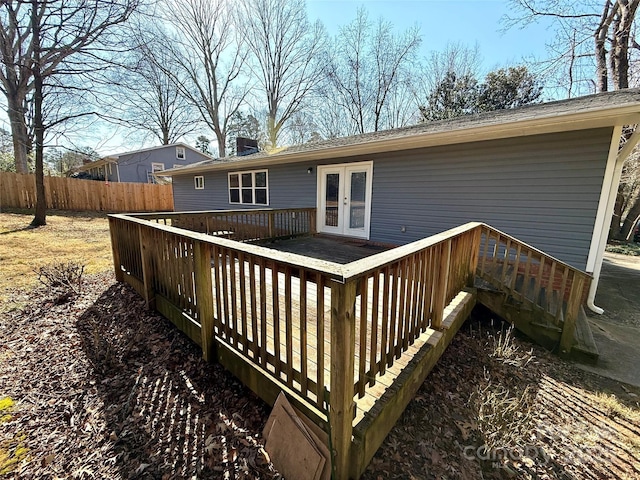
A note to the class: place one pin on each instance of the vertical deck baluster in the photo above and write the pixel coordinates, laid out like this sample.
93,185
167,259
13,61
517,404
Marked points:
320,340
233,290
362,360
243,303
263,313
276,317
563,287
224,264
375,307
254,312
217,287
402,314
288,325
384,351
303,333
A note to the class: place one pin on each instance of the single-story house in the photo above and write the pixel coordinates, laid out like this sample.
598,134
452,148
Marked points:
139,166
547,174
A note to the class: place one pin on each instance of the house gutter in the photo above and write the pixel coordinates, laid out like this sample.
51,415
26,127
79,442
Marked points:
606,205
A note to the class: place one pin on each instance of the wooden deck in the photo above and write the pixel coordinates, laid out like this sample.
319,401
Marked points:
330,248
379,404
346,330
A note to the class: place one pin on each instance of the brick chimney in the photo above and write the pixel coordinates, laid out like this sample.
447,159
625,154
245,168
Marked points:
246,146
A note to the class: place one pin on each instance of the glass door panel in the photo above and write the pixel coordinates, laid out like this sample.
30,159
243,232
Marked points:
332,199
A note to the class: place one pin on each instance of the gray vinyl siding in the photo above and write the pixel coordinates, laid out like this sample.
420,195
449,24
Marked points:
290,186
134,167
542,189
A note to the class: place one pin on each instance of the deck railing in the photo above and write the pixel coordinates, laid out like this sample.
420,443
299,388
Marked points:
533,277
242,225
299,320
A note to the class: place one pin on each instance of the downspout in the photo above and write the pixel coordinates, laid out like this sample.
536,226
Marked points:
118,171
606,205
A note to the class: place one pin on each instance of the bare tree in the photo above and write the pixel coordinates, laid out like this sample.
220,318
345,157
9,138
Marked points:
368,67
44,45
204,46
68,29
596,34
144,96
286,56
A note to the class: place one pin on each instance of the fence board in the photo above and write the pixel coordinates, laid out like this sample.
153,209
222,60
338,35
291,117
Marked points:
18,191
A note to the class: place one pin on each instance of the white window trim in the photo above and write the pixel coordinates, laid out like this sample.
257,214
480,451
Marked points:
253,188
183,151
156,167
198,182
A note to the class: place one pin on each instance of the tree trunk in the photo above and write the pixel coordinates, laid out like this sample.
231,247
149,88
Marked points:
618,209
620,43
41,201
601,51
19,133
630,220
221,137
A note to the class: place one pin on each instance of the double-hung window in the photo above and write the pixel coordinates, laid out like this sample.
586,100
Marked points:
249,187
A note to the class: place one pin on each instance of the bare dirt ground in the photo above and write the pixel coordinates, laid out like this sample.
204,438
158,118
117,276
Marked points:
94,386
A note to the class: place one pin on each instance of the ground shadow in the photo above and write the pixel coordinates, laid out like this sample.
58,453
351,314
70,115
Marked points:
169,413
556,431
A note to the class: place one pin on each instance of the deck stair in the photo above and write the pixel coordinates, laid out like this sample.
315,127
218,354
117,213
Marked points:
535,293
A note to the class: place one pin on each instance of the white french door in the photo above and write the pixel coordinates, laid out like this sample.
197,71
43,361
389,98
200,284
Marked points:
344,199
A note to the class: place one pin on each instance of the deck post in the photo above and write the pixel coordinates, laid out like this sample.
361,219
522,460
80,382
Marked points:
441,283
115,249
341,404
270,215
476,239
147,266
204,296
312,221
571,316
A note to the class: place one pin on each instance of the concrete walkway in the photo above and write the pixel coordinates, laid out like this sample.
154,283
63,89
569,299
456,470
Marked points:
617,330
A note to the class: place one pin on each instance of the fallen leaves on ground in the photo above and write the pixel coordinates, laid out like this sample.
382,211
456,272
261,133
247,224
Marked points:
526,414
101,388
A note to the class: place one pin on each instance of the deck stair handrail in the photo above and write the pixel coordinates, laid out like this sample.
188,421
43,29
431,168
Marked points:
296,319
534,279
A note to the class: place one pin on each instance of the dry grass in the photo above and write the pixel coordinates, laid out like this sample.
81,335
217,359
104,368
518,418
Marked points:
81,238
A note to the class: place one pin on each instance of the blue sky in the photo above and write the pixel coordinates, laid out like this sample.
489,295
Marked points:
476,21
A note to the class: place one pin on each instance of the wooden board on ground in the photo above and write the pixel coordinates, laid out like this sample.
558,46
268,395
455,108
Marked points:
294,448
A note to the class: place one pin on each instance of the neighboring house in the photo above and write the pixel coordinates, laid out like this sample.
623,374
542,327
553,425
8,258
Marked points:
140,165
546,174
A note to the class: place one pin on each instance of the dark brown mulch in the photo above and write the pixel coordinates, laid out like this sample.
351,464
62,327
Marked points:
524,413
104,389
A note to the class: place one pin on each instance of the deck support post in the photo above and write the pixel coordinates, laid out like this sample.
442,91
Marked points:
571,316
441,283
204,297
341,404
115,249
147,266
476,239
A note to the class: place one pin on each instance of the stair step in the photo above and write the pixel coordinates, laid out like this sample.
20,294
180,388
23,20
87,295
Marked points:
585,348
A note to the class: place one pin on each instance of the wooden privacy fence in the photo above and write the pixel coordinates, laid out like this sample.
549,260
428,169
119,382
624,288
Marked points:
62,193
320,331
